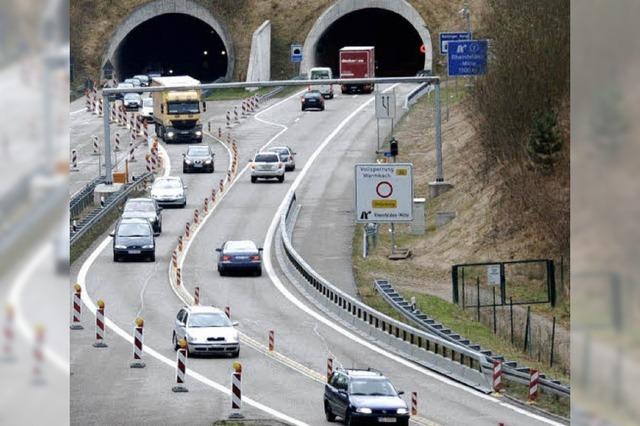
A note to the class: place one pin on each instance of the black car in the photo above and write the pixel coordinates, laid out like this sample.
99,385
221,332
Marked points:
145,208
133,238
363,397
198,158
312,99
239,256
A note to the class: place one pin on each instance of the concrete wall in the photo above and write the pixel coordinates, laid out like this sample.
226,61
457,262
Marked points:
344,7
259,68
161,7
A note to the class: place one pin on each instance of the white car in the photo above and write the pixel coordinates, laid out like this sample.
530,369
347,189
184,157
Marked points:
146,112
267,165
207,330
169,191
287,156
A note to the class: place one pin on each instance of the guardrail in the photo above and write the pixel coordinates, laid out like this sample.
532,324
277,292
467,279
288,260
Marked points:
413,96
110,203
83,198
432,351
511,369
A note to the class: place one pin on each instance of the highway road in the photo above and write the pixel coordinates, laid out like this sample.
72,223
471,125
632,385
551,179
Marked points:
287,384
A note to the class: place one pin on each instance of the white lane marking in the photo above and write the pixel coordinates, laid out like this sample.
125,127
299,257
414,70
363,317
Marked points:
43,254
305,308
82,275
80,110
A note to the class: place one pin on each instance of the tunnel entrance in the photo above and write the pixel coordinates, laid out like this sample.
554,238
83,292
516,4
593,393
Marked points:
396,41
172,44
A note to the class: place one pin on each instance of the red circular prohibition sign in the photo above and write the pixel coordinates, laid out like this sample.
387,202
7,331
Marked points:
384,189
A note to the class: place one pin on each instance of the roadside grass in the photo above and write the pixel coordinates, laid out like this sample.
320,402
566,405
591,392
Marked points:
450,315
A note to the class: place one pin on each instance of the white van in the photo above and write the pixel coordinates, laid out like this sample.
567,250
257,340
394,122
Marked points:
321,73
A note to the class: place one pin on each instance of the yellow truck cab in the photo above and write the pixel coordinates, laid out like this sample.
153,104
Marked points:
176,113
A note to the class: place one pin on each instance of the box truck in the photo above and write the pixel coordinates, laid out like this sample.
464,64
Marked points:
176,113
357,62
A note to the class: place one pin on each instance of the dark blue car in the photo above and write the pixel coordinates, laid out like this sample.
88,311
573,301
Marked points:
239,256
363,397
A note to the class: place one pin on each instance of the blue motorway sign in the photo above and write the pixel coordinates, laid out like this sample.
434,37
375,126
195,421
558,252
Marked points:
296,53
467,58
445,38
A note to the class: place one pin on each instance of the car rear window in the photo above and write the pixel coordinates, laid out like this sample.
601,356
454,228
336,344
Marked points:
311,95
139,206
266,158
240,246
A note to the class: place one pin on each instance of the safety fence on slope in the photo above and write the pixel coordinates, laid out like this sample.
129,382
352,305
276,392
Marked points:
427,349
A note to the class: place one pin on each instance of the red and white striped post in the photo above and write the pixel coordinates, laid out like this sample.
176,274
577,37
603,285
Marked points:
38,355
178,277
74,161
87,100
99,343
213,195
138,349
414,403
205,206
272,340
534,377
219,132
187,230
497,376
228,117
76,308
196,295
174,259
181,367
8,333
329,368
132,158
180,243
221,185
96,146
117,142
196,216
236,392
235,114
227,311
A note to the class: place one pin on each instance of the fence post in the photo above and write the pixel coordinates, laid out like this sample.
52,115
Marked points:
526,330
553,341
495,326
463,295
478,297
454,283
511,316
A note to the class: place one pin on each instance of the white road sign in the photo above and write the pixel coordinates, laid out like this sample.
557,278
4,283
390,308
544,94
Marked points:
385,105
493,274
384,192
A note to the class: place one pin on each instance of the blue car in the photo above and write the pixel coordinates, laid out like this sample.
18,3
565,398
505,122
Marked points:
239,256
363,397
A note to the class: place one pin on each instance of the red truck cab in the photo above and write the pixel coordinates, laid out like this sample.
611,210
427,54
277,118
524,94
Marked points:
357,62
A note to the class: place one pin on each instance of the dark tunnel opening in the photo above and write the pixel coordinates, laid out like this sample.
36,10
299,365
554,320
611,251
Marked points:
396,41
172,44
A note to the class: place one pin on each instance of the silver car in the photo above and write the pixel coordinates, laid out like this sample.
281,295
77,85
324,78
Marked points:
287,156
207,330
267,165
169,191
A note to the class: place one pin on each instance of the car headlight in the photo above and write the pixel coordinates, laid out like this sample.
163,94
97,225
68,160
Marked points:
233,339
187,161
170,134
402,411
198,133
363,410
147,246
190,338
207,162
120,247
153,219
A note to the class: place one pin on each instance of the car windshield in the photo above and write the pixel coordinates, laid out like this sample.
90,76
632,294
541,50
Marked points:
198,151
139,206
125,86
370,387
208,320
316,75
309,95
132,97
281,151
188,107
141,77
266,158
134,230
148,102
167,184
240,246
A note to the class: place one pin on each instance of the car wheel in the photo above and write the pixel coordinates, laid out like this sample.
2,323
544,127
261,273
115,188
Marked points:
253,179
280,179
211,170
116,258
174,340
152,258
184,204
259,272
221,272
303,108
235,354
328,413
348,420
184,169
322,109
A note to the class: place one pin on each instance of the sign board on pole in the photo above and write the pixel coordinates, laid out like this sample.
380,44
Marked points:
445,38
384,192
493,274
385,105
296,53
467,58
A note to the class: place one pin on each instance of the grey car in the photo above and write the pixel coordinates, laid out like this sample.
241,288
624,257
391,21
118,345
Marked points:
207,330
169,191
198,159
267,165
145,208
133,238
287,156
